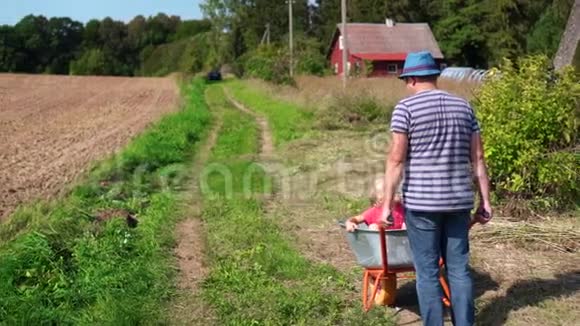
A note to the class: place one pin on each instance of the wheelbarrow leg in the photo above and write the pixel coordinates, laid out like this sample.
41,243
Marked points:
446,292
365,289
368,301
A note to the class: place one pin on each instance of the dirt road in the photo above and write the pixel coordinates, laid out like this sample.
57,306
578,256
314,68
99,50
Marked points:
52,127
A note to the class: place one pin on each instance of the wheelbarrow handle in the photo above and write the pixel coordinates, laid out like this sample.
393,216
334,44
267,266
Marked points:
382,236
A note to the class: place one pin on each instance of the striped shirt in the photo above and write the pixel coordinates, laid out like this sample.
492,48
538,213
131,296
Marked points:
439,127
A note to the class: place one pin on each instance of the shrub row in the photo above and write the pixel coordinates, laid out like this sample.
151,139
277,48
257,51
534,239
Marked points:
531,117
348,111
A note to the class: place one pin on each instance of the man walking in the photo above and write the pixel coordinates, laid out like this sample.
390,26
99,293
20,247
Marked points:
436,142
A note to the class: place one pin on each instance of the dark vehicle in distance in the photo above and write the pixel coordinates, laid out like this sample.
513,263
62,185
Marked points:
214,75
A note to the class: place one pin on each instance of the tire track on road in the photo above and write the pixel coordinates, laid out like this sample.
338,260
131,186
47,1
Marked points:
266,140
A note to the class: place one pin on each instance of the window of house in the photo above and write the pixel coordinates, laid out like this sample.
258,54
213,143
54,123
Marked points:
336,68
340,43
392,68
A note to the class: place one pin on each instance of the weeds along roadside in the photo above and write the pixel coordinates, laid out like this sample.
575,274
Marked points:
77,260
256,275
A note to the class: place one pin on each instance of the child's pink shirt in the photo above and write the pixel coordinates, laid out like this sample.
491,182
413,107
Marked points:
373,216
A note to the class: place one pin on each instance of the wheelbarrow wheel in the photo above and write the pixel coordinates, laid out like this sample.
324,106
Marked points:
387,291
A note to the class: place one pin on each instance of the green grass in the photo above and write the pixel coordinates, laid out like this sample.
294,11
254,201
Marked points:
58,265
239,132
256,276
288,121
226,173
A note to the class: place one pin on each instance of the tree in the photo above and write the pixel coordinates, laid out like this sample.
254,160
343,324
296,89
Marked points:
10,56
65,37
477,33
137,32
161,27
92,62
190,28
91,36
240,24
328,14
545,34
33,33
457,28
116,48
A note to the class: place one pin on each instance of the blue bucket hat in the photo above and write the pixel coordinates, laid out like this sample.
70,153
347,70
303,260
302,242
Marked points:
420,64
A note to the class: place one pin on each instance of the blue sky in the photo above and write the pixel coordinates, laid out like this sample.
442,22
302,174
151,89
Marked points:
11,11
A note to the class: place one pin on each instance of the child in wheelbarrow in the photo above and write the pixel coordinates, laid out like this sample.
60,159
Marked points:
372,216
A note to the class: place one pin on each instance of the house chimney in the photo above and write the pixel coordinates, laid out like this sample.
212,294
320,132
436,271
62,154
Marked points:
390,22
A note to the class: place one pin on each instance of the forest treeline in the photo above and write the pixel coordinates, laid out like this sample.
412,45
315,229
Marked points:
477,33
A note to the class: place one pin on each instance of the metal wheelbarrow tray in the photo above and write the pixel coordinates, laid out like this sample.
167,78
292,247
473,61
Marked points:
366,246
384,254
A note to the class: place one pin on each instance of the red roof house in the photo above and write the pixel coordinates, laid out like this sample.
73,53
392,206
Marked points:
385,45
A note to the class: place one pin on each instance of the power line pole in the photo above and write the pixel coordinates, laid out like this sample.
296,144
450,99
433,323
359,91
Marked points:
291,38
344,45
266,36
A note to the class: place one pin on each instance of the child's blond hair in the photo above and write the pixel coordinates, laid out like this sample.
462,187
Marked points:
377,191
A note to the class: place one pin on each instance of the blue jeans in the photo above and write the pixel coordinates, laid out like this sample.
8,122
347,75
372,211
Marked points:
433,235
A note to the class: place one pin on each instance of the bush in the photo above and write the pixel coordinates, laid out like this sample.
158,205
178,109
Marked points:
269,63
530,119
99,62
352,111
311,63
187,55
92,62
309,59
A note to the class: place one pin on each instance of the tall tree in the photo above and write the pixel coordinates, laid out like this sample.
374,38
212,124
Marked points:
457,29
33,33
137,32
545,34
91,36
10,55
240,24
190,28
65,37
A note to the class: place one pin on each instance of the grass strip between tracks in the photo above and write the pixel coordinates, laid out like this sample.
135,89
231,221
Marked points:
256,275
287,120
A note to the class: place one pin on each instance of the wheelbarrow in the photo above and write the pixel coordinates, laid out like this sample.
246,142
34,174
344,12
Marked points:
386,256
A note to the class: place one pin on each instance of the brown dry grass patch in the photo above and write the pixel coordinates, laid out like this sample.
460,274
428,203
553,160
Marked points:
316,92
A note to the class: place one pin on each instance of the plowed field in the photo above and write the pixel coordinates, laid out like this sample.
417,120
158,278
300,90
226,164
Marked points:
52,127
